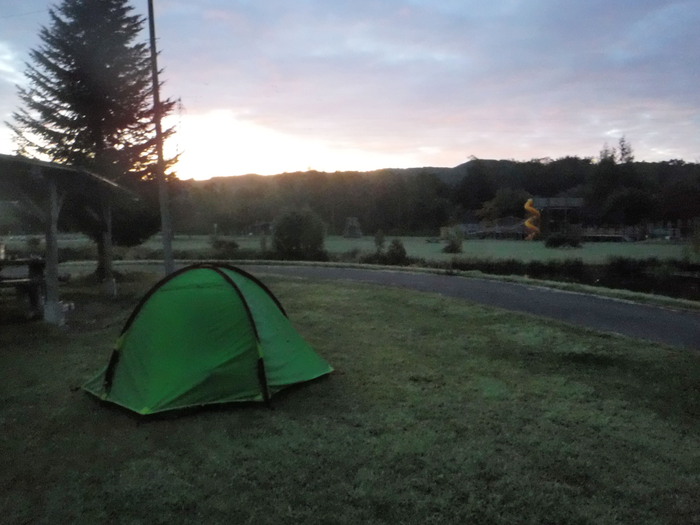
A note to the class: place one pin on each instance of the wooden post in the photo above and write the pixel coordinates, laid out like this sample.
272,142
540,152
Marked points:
110,284
53,310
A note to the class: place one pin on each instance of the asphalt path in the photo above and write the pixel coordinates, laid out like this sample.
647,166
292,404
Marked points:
675,327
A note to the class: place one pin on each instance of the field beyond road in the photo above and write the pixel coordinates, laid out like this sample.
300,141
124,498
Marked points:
439,411
590,252
427,248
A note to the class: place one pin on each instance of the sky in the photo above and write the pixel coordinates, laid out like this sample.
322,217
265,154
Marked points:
272,86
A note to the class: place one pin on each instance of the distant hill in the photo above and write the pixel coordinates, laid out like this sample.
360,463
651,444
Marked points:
449,176
404,200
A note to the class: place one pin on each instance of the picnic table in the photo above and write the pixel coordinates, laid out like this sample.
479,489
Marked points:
26,276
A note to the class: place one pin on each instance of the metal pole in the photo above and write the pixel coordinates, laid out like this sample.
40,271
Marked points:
165,219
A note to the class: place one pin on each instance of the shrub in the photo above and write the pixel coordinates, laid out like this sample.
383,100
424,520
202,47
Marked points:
573,270
299,234
624,267
33,244
563,240
537,270
504,267
396,253
223,247
452,246
454,242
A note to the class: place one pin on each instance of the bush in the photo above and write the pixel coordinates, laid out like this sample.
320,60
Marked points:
563,240
396,253
223,247
573,270
454,242
452,246
299,234
33,244
624,267
537,270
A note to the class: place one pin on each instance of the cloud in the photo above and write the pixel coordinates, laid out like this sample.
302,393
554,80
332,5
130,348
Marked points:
397,53
435,82
10,65
10,77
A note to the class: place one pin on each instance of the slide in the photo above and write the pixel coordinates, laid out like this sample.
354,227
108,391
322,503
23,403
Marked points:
532,221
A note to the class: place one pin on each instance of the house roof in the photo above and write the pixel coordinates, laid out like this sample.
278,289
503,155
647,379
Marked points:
12,167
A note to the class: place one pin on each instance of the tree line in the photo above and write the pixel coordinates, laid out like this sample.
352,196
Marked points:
88,103
419,201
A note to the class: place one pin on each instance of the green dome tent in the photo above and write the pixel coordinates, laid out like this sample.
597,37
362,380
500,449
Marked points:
205,334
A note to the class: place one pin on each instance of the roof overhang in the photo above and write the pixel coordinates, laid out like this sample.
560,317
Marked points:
17,169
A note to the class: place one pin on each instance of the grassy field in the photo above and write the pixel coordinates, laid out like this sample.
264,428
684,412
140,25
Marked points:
439,411
418,247
521,250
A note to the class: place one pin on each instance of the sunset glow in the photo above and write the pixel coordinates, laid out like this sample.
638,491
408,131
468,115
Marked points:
218,143
274,87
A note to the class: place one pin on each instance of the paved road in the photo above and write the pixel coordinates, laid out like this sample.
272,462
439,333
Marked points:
662,325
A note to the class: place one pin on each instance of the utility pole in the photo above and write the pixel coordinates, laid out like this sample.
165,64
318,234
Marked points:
166,223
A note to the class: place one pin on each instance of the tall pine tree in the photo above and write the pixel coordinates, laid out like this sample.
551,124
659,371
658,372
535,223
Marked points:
88,103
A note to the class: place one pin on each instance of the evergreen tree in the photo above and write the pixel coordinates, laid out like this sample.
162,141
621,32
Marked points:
299,234
625,148
88,103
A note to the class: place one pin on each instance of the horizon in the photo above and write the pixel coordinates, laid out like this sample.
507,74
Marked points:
543,160
271,88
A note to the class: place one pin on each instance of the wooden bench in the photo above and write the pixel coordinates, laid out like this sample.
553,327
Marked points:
31,284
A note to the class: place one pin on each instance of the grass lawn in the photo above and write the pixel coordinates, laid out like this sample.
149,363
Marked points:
439,411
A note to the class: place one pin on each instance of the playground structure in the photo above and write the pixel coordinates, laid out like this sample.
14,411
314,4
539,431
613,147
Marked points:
546,215
532,222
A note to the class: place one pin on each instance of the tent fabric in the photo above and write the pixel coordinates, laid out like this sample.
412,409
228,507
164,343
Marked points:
205,334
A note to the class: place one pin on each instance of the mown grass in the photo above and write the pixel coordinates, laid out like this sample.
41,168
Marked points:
439,411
